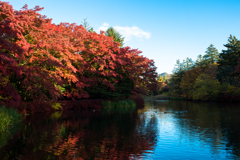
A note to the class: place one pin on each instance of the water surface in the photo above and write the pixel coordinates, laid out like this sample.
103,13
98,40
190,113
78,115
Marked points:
160,130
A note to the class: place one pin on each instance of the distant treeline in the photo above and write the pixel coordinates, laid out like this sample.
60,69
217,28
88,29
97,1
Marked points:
211,76
43,62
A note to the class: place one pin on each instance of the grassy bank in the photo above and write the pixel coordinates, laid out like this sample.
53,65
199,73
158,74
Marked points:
119,106
8,118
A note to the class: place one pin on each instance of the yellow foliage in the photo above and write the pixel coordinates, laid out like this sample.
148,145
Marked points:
3,83
206,88
56,115
232,90
57,106
4,80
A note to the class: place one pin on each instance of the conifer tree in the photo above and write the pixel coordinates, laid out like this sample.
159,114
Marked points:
188,63
212,55
117,37
199,61
228,60
87,26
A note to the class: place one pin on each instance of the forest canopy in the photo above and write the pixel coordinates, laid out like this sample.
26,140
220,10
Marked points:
213,76
43,62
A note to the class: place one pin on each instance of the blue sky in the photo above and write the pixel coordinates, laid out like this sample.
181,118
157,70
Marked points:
164,30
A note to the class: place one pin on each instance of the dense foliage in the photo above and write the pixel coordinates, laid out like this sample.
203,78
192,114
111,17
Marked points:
8,118
42,62
122,106
117,37
213,76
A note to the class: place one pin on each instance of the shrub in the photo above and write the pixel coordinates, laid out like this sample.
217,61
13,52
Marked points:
119,106
232,90
206,88
57,106
8,118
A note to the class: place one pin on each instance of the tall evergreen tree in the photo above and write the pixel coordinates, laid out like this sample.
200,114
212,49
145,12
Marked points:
87,26
175,82
199,61
178,66
228,60
212,55
117,37
188,63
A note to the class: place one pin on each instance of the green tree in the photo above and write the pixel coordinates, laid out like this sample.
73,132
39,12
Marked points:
117,37
164,77
227,62
174,83
200,60
206,88
178,66
188,63
212,55
87,26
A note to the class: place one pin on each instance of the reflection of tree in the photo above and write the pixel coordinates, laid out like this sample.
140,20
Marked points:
84,135
213,123
64,149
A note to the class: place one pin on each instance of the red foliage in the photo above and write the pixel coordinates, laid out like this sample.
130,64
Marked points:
38,56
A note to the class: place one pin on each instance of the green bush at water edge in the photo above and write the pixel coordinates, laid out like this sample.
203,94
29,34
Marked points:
8,120
119,106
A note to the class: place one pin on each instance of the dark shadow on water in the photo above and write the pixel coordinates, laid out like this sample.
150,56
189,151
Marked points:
157,130
83,134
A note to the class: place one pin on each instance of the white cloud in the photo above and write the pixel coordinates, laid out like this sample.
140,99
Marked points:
128,32
104,27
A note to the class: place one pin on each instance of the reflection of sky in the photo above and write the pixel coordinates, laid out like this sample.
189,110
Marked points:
177,142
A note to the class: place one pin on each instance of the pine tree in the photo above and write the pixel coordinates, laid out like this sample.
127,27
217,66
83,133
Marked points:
212,55
188,63
200,60
228,60
87,26
178,66
117,37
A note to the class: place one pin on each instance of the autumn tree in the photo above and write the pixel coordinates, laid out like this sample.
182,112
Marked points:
188,80
42,62
29,42
160,79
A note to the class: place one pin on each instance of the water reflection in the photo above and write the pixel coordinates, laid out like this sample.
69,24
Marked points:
209,128
160,130
88,134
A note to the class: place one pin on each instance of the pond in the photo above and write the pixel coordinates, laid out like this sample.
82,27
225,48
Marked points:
160,130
